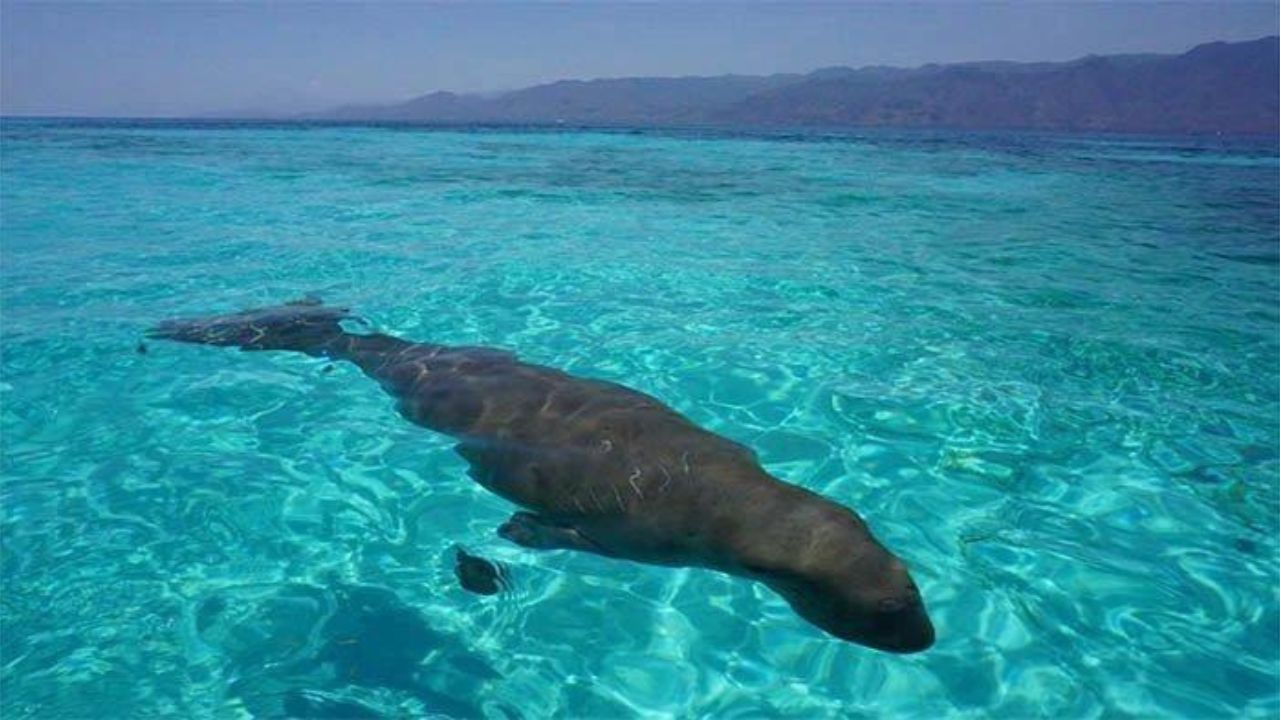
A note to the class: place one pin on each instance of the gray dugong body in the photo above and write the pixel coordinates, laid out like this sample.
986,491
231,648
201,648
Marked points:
603,468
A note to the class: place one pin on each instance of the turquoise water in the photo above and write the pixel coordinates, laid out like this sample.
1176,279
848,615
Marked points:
1045,369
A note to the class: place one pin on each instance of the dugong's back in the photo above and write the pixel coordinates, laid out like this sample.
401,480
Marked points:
560,445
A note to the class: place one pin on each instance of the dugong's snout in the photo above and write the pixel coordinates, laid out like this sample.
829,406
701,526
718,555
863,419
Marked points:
900,629
897,624
841,579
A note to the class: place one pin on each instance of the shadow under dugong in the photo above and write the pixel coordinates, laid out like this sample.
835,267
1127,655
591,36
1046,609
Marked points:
337,651
605,469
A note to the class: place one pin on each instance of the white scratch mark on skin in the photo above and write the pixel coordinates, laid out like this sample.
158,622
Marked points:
666,482
607,445
578,503
684,460
388,360
417,380
546,403
595,499
632,482
618,495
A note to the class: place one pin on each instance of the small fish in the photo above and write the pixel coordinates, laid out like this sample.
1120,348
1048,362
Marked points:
326,369
478,575
142,348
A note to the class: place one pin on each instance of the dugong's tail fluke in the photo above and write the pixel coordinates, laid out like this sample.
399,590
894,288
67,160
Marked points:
304,326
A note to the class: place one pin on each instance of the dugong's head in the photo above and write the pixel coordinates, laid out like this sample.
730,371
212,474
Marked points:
836,575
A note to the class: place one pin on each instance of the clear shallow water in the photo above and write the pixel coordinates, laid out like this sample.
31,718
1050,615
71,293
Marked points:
1044,369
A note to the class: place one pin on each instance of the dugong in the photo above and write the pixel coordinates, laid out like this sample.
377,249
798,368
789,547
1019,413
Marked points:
601,468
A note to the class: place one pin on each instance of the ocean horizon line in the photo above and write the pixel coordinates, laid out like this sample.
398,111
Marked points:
727,129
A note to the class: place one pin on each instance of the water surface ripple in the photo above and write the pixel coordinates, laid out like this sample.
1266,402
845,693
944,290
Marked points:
1044,368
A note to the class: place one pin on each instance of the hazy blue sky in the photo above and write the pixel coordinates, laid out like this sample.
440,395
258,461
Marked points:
119,58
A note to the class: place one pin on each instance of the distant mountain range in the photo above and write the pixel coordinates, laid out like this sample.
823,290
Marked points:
1217,87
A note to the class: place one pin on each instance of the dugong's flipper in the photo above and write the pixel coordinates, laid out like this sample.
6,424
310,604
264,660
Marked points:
539,533
477,575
